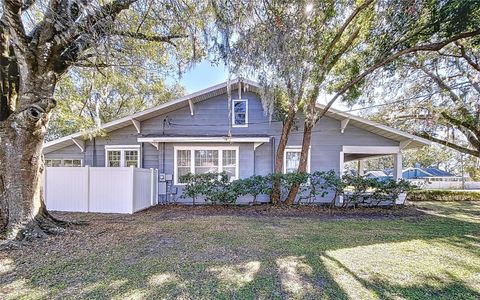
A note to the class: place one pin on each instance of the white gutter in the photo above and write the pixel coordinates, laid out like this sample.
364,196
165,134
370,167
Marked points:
177,139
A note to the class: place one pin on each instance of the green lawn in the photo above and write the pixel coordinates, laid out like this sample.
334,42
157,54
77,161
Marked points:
164,253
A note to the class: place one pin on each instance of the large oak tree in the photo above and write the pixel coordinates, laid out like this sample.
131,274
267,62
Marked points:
39,42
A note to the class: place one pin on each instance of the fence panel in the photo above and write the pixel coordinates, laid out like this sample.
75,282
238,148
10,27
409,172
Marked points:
141,189
111,190
472,185
453,185
66,189
105,190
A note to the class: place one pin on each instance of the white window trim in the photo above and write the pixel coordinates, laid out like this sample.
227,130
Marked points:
192,159
233,112
122,149
295,149
62,161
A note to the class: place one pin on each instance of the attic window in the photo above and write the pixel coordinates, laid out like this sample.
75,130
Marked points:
240,113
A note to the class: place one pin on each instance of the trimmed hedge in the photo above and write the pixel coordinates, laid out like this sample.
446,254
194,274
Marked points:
443,195
217,188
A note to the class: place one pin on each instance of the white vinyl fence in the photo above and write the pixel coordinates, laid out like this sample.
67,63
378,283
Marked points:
105,190
446,185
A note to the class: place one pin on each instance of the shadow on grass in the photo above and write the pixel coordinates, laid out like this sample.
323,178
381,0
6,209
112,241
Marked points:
432,287
253,257
462,210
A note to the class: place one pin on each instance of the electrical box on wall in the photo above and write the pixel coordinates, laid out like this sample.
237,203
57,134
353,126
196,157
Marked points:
162,188
168,177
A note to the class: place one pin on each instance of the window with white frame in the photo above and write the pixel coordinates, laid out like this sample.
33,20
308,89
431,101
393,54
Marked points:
240,113
291,159
122,156
208,159
63,162
184,163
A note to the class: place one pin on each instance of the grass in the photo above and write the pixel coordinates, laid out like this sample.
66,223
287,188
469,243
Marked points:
161,253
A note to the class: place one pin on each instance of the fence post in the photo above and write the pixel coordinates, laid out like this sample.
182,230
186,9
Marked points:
88,187
152,189
45,186
156,186
133,190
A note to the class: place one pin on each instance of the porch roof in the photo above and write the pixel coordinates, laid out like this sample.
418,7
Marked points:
204,138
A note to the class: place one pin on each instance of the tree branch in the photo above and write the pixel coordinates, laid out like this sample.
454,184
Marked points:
342,29
78,37
459,148
456,99
344,49
467,58
26,4
150,38
13,18
427,47
469,131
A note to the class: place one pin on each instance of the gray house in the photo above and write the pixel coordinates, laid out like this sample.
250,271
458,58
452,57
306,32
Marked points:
205,132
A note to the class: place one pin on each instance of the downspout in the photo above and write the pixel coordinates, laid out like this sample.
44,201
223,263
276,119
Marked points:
163,157
143,155
273,154
254,167
85,155
163,144
94,156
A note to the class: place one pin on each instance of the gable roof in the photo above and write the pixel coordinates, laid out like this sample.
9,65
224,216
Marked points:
413,172
437,172
409,141
430,172
219,89
375,174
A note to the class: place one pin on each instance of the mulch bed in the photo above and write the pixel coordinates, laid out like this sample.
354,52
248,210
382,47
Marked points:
173,211
103,227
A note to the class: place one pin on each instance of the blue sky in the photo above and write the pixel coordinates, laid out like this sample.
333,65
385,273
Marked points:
205,75
202,76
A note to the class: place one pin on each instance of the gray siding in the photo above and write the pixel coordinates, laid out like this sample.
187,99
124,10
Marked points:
69,152
212,118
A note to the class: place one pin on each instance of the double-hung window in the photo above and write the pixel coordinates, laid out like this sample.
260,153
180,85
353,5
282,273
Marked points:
63,162
122,156
240,113
207,159
291,159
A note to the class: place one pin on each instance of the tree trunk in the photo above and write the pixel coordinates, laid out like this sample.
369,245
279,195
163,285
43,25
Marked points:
23,213
307,135
282,144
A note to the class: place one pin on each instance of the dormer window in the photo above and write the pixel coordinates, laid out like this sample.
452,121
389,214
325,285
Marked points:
240,113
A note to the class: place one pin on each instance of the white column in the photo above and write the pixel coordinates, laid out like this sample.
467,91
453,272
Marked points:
397,166
341,166
360,168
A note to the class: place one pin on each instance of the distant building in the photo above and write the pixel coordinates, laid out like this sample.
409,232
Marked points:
429,174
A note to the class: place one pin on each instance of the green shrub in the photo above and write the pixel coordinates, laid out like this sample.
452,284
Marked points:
213,187
216,187
443,195
255,185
